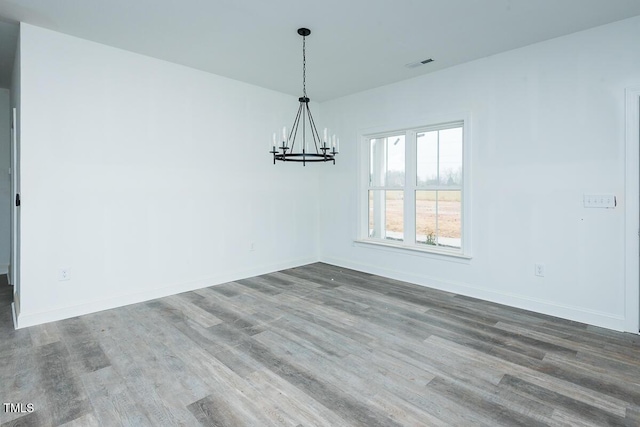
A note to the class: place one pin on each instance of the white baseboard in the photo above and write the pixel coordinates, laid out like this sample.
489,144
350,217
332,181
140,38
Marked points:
25,319
578,314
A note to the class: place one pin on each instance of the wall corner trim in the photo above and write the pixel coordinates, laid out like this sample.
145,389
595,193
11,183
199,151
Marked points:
632,211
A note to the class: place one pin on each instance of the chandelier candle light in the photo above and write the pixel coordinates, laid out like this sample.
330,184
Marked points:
305,153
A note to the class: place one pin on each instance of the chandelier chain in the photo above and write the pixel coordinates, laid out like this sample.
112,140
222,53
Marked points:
304,66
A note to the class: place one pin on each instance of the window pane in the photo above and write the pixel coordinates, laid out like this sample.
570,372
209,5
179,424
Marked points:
395,161
449,218
395,215
377,169
450,153
386,162
426,223
386,217
438,218
427,158
373,197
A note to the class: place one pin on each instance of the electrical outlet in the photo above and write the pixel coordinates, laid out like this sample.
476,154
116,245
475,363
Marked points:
64,274
539,270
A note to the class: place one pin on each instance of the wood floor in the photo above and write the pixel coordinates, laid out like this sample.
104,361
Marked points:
317,345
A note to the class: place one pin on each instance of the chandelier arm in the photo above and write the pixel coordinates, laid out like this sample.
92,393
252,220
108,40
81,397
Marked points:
314,130
304,134
294,128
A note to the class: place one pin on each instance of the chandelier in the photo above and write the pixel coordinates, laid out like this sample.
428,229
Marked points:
322,150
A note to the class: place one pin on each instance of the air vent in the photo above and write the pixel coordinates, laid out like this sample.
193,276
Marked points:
419,63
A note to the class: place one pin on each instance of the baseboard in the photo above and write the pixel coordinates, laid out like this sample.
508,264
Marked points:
25,319
578,314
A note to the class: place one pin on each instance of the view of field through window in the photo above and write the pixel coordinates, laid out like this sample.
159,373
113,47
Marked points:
446,203
437,186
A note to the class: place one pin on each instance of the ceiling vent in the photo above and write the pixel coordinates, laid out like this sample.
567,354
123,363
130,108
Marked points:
419,63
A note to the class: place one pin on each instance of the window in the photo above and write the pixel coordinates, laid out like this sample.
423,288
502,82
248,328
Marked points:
415,190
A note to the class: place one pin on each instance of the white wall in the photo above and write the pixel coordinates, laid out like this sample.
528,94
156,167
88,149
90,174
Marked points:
147,178
547,127
5,181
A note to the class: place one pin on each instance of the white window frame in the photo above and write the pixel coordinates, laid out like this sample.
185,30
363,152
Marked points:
409,245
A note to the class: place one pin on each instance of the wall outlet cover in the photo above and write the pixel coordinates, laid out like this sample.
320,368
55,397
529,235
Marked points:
64,274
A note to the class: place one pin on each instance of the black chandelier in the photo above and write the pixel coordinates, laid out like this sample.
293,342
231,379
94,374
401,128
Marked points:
325,150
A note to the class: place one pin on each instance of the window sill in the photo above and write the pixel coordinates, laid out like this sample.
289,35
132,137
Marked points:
413,250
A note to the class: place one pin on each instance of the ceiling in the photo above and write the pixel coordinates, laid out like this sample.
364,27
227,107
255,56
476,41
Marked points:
354,45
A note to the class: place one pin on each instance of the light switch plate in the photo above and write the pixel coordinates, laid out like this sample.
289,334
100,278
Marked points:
606,201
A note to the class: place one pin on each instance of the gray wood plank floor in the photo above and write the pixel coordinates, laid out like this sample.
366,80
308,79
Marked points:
317,345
